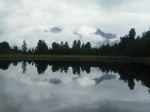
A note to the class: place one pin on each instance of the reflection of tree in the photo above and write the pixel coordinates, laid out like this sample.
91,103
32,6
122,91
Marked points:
129,72
41,66
131,83
55,68
4,65
76,70
15,63
30,62
87,69
24,65
65,69
77,66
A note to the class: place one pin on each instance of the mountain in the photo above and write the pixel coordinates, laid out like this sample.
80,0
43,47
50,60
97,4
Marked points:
85,34
55,30
105,35
81,34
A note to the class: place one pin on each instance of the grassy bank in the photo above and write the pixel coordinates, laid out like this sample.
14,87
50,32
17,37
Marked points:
75,58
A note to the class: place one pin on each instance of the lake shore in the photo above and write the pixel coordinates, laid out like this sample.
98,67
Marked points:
145,60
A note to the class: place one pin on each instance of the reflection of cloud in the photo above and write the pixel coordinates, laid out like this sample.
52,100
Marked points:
18,93
55,81
108,106
104,77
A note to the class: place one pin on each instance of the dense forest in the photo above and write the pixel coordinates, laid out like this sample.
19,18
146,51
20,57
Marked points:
129,45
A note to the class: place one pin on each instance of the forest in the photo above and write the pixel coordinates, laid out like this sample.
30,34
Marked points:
129,45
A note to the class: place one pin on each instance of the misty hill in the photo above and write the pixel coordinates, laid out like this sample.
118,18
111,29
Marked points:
92,34
105,35
97,32
55,30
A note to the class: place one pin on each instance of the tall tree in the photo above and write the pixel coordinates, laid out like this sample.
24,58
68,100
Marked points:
62,44
74,46
42,47
4,47
88,45
15,49
78,44
24,66
132,34
24,47
66,46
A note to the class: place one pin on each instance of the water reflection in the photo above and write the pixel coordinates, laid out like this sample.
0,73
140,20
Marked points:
128,71
41,66
104,77
4,65
24,66
74,86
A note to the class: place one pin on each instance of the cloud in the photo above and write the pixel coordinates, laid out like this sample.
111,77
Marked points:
26,19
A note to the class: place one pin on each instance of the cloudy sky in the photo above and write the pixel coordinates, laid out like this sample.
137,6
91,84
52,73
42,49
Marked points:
26,19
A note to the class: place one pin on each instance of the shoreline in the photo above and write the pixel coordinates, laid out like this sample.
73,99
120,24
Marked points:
19,57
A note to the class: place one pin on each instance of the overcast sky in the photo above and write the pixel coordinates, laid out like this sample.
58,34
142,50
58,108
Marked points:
26,19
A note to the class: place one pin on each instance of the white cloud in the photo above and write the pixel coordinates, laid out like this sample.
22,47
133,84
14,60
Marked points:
26,19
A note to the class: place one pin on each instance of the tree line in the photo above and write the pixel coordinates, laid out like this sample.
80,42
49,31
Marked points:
129,45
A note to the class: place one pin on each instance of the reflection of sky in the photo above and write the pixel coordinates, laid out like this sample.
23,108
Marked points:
61,92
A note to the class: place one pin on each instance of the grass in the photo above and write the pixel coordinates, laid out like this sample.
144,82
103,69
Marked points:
145,60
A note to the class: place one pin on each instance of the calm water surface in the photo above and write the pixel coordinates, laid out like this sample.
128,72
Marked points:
51,86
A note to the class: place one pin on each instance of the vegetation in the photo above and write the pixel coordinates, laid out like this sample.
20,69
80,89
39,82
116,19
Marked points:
129,45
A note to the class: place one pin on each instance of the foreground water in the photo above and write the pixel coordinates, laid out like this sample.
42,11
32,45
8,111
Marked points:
50,86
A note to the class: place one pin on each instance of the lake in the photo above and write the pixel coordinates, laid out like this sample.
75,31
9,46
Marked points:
72,86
